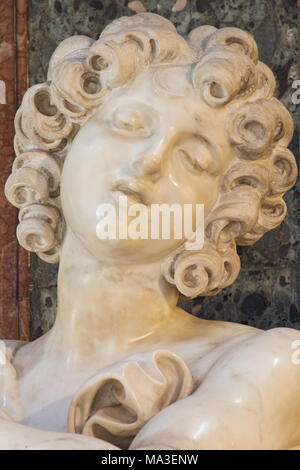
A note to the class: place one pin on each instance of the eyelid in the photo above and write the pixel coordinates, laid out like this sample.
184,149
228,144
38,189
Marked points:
196,154
134,119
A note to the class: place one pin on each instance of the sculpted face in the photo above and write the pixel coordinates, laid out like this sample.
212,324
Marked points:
156,131
154,141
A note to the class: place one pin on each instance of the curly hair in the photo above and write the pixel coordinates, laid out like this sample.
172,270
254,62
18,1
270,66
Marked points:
225,70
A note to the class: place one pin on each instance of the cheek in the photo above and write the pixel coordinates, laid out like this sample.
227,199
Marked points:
94,158
207,191
183,187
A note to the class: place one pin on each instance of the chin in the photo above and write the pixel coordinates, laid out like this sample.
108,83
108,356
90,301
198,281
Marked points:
129,251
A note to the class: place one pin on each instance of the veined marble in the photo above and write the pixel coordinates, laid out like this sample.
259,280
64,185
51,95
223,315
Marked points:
146,114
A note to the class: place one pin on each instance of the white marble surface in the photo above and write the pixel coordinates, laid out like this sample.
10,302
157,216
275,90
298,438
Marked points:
160,120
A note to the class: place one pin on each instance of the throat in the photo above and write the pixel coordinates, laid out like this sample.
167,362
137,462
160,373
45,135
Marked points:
103,307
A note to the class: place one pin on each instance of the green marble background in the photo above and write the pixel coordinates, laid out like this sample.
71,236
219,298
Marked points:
267,291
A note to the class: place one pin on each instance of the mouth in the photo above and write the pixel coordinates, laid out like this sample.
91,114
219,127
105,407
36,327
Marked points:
131,189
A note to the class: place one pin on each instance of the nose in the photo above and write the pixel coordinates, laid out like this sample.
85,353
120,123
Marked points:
148,162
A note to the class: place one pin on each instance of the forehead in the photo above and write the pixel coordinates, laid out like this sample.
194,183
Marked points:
168,90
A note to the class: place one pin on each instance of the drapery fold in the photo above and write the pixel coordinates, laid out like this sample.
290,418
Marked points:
114,404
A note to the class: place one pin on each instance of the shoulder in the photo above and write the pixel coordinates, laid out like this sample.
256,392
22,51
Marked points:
9,402
9,347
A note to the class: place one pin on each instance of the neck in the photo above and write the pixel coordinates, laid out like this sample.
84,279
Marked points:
107,306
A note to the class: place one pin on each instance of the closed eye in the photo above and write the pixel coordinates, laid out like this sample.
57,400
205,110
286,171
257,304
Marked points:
190,161
134,119
193,154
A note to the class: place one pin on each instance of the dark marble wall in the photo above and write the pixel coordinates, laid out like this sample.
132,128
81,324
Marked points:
267,291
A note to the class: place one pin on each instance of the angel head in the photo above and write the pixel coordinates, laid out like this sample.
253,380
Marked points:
145,113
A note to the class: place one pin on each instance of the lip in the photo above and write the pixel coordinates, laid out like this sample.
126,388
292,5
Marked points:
131,188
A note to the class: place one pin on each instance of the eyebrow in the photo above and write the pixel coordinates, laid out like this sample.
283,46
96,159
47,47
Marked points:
163,87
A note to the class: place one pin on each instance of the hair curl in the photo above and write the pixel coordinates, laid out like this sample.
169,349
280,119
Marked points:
226,72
